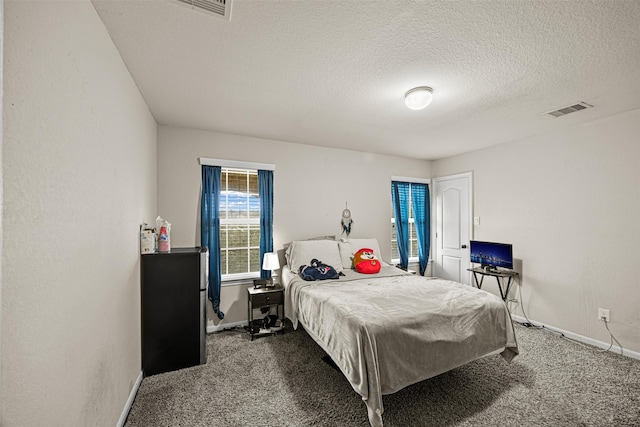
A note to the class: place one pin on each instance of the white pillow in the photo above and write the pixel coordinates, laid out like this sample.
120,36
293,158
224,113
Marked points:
301,252
348,247
286,246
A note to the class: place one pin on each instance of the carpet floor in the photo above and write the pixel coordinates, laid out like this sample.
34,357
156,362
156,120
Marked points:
281,380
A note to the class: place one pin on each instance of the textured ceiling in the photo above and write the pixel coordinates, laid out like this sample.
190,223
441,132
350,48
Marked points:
334,72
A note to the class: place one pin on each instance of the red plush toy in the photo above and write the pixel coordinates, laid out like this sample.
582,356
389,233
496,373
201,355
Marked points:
366,262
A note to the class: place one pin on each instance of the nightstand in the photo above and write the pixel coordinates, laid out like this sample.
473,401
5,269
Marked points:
265,298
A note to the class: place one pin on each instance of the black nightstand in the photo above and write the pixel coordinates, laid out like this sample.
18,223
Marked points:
265,297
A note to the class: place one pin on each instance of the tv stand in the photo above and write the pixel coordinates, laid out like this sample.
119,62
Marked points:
498,274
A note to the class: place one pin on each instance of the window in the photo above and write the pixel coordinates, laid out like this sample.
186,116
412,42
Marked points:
236,220
239,224
413,239
410,234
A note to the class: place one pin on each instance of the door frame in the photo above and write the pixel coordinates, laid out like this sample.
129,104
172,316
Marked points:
434,229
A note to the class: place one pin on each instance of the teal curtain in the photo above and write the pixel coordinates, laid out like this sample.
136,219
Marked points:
422,219
265,190
400,199
210,230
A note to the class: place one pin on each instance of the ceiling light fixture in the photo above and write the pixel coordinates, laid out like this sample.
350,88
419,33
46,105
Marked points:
418,97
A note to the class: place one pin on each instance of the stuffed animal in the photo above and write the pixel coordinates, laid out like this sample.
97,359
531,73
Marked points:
366,262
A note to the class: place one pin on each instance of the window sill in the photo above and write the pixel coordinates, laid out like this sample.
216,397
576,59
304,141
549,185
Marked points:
411,261
236,281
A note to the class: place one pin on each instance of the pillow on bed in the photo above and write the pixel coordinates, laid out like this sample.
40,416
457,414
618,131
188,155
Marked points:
348,247
301,252
286,245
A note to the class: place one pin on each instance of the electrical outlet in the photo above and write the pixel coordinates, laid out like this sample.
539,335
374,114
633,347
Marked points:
603,314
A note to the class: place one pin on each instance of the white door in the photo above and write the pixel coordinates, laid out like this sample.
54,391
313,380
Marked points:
453,227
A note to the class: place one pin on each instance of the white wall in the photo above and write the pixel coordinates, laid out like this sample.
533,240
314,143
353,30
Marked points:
568,201
79,177
311,187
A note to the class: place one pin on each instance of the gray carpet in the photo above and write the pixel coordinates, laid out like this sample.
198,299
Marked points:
282,381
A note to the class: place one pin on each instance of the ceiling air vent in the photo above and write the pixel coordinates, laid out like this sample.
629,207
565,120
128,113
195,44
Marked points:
568,110
220,8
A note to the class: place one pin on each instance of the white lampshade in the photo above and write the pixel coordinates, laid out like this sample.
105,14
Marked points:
418,97
270,261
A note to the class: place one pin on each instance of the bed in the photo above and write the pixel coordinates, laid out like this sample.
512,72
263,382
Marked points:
392,329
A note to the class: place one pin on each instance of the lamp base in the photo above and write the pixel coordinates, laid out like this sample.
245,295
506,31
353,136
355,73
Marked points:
272,280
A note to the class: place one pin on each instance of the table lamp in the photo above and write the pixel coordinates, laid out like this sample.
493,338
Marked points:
271,263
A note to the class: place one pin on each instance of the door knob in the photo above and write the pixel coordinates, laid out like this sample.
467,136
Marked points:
464,246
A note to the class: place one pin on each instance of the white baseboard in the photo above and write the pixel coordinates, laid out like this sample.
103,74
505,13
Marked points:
132,396
580,338
223,326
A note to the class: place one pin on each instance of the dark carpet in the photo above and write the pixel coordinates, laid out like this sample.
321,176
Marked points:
282,380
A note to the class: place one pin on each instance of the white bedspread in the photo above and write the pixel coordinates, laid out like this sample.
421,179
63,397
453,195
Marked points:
388,331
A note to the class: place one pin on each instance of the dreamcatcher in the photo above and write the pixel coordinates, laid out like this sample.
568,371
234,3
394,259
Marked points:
346,221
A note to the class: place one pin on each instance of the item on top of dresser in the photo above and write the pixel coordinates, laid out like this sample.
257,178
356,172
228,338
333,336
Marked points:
147,239
164,234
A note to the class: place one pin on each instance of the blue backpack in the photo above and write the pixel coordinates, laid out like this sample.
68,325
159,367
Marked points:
317,271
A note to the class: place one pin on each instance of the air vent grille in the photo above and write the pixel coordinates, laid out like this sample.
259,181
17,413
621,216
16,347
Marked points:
220,8
568,110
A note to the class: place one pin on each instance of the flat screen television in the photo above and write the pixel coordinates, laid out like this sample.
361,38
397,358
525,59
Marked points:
491,255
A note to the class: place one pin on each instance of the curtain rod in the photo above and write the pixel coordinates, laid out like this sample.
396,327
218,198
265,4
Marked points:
205,161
